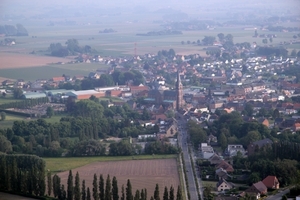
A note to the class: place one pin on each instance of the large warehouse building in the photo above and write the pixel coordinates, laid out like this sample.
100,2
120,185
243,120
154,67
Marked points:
85,94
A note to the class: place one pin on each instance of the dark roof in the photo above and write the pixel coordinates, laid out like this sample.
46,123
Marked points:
260,186
263,142
171,93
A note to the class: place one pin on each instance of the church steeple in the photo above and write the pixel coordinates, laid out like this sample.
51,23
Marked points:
179,87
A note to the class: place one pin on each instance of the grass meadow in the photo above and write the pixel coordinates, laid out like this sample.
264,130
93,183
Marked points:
67,163
9,120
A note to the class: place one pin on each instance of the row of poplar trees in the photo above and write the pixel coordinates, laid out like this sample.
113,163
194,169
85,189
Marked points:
102,190
22,174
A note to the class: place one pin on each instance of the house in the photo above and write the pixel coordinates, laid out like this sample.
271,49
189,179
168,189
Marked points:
296,127
206,151
221,173
223,185
258,187
264,121
233,149
257,145
215,159
225,165
271,182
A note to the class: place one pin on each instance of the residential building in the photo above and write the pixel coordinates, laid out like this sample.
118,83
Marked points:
252,147
271,182
206,151
223,185
258,187
233,149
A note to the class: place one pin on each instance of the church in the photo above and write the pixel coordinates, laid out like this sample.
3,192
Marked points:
167,98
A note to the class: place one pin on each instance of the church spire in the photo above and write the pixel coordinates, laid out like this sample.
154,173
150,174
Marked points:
179,87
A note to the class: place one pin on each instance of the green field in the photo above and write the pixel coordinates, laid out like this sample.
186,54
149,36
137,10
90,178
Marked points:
8,99
67,163
9,120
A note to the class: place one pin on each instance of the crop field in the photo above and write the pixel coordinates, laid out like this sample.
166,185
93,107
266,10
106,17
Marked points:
142,173
67,163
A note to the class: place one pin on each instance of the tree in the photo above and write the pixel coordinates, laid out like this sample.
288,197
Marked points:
88,194
122,193
137,195
108,188
249,109
270,39
166,194
2,116
171,196
83,191
17,92
294,53
129,195
221,37
265,41
49,111
77,187
254,178
156,193
115,191
101,187
95,188
179,194
222,140
49,183
70,190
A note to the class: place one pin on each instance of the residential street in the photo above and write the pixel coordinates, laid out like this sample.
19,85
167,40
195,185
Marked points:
182,140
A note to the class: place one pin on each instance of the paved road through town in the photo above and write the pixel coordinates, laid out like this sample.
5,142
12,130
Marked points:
182,139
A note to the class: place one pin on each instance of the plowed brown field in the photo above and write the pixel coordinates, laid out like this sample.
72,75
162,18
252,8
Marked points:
142,174
15,60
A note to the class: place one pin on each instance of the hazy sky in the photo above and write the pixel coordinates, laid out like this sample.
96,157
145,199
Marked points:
31,7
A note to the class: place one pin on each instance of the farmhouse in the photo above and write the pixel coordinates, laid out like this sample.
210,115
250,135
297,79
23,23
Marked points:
85,94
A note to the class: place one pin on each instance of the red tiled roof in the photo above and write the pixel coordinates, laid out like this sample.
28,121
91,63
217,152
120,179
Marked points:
270,181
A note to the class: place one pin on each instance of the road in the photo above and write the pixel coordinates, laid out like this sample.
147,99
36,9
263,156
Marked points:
182,140
279,195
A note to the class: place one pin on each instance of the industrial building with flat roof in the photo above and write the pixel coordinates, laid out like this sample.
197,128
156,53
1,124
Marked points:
85,94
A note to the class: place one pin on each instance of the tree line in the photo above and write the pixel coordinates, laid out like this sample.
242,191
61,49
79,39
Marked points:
11,30
72,48
26,103
23,174
103,189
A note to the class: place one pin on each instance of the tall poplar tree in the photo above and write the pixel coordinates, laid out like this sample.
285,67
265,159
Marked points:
108,188
49,183
88,194
63,193
101,187
122,193
77,187
156,192
115,190
166,194
129,195
171,196
179,194
83,191
137,195
70,190
95,188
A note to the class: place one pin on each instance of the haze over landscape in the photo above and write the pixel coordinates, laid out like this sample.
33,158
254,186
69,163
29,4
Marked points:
185,100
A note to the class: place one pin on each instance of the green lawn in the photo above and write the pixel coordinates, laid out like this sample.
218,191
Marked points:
209,183
113,99
67,163
54,119
9,120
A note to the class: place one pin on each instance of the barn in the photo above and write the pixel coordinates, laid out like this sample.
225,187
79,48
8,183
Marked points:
85,94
